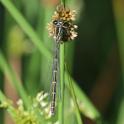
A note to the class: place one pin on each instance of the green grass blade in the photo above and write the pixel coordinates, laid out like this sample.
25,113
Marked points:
118,10
87,107
62,71
2,97
120,118
63,2
72,91
13,78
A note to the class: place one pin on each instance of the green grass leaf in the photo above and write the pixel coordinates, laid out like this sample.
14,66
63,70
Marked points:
62,71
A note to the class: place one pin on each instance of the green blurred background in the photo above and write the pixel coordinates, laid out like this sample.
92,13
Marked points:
95,58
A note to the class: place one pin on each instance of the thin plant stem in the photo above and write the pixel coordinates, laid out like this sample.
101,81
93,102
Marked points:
119,21
118,10
63,2
62,71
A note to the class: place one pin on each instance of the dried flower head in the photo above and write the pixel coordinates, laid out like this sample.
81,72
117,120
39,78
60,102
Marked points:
63,13
62,28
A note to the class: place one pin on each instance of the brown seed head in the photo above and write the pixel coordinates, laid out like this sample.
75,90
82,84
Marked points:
65,15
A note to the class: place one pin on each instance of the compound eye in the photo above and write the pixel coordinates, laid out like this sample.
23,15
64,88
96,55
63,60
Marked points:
66,24
60,22
55,22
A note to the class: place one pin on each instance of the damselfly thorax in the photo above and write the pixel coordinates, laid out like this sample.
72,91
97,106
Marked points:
61,31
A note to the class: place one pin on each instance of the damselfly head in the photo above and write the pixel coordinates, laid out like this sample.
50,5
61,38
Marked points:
58,23
62,26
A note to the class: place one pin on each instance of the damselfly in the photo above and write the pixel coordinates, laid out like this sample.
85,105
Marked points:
62,30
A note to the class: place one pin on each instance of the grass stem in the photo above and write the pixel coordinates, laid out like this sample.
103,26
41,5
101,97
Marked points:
63,2
62,71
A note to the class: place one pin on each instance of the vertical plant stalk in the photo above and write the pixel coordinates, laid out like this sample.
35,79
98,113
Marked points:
118,8
62,70
63,2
